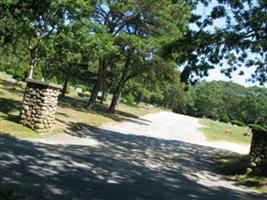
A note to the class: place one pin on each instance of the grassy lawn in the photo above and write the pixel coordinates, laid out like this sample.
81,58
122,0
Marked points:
234,167
9,111
218,131
70,111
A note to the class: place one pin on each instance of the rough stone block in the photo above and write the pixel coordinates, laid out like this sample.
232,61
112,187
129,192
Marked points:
39,105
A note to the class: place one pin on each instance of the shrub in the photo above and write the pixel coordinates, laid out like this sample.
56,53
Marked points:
237,122
129,98
257,127
225,119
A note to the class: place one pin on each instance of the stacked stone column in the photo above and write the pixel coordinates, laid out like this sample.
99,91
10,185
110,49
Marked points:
39,105
258,154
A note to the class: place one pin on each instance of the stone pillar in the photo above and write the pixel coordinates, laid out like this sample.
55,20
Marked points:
39,105
258,154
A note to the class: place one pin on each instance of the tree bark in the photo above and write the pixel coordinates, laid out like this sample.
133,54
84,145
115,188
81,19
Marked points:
139,98
65,86
32,67
119,87
115,98
98,84
103,96
33,61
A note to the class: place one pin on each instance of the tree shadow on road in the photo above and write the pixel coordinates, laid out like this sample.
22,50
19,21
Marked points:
120,167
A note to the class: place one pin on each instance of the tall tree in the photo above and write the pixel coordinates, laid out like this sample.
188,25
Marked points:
135,17
77,46
37,20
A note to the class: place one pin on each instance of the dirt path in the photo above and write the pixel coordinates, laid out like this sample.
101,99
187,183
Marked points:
145,159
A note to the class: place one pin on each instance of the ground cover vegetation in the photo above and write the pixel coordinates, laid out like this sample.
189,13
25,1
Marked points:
220,131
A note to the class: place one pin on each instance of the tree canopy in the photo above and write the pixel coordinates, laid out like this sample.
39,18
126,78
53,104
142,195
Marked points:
142,50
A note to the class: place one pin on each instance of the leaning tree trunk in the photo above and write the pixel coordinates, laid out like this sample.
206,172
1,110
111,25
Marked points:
116,98
65,86
98,84
258,154
124,78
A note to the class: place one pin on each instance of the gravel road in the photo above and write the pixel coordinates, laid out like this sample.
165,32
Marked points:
172,126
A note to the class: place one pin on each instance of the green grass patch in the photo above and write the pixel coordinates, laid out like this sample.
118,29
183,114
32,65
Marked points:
71,110
10,102
219,131
233,166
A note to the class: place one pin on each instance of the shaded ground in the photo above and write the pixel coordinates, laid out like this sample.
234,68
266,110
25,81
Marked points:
116,166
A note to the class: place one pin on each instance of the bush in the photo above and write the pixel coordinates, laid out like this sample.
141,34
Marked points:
256,127
129,98
237,122
225,119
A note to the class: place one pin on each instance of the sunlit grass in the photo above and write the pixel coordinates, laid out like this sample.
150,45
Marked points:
9,115
71,110
218,131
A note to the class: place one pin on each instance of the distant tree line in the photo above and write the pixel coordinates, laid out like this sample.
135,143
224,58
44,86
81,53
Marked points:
225,101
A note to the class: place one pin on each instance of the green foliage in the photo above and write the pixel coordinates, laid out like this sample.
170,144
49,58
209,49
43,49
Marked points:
209,100
239,42
129,99
237,122
224,101
257,127
225,119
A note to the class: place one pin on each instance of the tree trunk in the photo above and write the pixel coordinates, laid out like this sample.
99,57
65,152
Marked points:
32,67
139,98
33,61
103,96
65,86
124,78
115,98
98,84
118,90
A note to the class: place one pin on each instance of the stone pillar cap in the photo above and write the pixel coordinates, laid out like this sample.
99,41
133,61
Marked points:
44,83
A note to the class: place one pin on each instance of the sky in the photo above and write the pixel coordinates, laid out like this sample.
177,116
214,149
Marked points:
215,74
